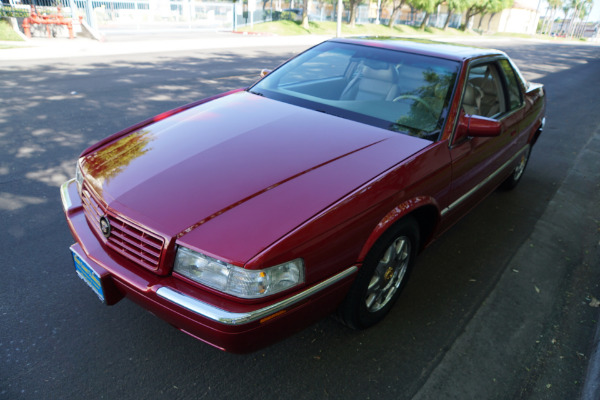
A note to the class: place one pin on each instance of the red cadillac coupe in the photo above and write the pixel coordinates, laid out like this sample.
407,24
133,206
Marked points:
244,217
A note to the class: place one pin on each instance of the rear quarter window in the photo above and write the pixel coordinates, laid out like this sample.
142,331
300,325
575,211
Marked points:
514,92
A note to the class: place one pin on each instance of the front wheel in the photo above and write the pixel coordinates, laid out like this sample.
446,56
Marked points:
517,173
382,277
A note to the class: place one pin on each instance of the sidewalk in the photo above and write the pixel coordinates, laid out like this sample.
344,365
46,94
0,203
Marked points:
172,41
43,48
522,302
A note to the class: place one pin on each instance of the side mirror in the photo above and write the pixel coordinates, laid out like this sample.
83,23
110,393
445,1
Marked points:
476,126
264,72
483,127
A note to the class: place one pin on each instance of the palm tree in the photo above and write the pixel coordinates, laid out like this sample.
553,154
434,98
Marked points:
553,6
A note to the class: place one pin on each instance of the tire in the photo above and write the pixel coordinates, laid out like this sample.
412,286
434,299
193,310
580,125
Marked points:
382,276
514,178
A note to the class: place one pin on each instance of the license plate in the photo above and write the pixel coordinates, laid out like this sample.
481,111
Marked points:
88,275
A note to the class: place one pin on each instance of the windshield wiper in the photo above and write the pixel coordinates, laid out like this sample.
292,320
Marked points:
396,127
412,131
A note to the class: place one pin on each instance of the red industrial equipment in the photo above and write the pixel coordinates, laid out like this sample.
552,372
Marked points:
52,19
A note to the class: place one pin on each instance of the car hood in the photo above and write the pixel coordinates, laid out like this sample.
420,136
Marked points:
231,176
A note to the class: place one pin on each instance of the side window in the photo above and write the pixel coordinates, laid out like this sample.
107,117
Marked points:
514,92
483,94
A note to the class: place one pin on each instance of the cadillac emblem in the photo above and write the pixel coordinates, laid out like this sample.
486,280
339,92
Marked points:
105,227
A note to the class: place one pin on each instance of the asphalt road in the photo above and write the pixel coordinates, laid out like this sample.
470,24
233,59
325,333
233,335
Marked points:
444,339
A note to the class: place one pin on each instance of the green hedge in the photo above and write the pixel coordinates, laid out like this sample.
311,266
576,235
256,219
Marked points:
7,11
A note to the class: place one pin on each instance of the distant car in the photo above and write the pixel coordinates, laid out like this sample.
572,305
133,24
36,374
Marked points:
245,217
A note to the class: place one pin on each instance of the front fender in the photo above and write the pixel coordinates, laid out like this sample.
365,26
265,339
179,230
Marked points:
421,206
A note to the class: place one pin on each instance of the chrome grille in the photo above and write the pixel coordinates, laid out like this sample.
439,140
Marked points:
131,241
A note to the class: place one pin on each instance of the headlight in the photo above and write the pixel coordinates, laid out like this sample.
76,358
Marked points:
236,281
78,177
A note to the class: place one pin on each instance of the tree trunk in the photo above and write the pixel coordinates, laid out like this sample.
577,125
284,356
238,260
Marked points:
448,19
305,14
490,21
573,25
480,21
468,17
353,7
395,12
545,23
425,20
550,25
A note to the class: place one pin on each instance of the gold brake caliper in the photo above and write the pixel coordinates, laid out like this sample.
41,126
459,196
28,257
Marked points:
388,274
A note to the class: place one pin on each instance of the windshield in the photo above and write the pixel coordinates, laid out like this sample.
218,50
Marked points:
399,91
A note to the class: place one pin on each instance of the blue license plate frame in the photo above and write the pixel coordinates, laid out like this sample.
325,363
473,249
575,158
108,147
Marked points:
88,275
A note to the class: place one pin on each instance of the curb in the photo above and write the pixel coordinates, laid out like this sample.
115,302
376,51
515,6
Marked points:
46,49
514,313
591,386
253,33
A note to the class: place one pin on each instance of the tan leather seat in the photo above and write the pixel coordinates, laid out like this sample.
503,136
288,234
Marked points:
472,99
490,102
372,83
411,79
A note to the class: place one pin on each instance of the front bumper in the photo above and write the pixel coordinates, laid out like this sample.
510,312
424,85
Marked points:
224,324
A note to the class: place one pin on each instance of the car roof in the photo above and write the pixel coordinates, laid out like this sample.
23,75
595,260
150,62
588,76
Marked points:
449,51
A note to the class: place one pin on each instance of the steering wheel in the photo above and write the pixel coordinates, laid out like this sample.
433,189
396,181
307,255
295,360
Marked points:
418,100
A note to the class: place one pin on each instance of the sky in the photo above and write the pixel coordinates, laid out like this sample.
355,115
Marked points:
594,16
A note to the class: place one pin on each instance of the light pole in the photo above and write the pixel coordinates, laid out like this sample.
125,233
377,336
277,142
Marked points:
340,9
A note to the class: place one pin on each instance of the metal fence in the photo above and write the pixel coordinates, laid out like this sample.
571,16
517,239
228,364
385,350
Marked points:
21,8
143,14
152,14
128,15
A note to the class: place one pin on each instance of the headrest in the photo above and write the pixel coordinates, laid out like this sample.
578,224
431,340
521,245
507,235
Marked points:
381,74
469,97
410,72
471,94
